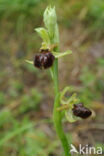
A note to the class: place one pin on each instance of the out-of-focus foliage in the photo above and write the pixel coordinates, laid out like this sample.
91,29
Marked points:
93,84
24,89
95,15
24,140
90,13
30,101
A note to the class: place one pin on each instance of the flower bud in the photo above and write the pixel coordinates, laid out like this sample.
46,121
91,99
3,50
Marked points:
44,59
80,111
50,19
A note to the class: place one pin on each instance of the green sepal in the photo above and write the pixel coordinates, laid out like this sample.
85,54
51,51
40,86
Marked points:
70,117
43,33
30,62
58,54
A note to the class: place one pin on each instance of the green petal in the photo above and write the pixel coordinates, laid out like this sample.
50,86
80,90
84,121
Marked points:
63,99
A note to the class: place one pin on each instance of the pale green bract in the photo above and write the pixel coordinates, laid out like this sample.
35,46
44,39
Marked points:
51,33
56,35
50,20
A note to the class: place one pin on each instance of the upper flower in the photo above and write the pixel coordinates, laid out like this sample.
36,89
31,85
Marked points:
44,59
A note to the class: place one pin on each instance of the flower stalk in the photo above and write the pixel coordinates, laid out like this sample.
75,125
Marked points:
56,114
54,39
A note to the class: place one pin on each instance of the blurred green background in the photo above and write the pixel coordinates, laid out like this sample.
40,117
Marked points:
26,94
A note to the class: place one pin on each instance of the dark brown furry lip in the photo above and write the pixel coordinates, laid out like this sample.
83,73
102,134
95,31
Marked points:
80,111
44,59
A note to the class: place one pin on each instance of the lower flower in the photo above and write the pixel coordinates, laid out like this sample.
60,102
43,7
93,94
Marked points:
80,111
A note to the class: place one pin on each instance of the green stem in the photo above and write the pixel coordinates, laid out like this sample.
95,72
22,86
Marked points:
56,114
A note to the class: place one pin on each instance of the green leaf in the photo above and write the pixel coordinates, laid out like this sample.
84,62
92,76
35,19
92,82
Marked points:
30,62
43,33
58,55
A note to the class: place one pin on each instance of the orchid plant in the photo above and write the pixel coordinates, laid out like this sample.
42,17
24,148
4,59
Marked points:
47,58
